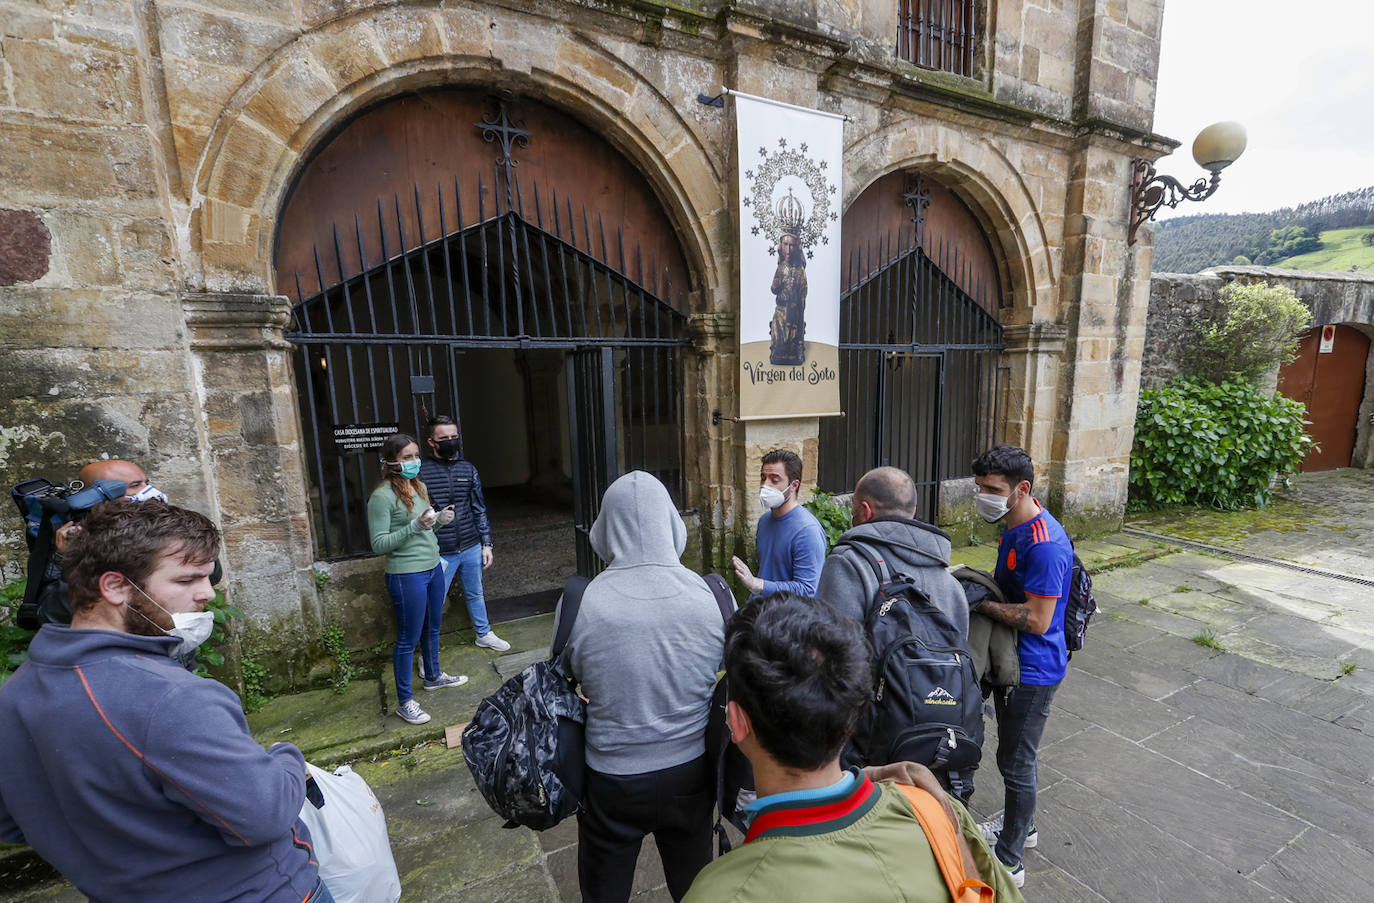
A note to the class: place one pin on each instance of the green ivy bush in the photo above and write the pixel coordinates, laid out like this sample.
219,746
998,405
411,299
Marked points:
833,516
1219,445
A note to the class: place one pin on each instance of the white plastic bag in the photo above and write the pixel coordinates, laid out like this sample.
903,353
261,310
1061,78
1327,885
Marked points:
350,840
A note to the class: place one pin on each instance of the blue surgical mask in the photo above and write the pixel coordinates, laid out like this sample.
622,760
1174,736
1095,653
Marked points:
409,469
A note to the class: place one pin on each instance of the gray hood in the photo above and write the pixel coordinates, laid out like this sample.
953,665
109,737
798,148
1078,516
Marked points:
916,542
639,524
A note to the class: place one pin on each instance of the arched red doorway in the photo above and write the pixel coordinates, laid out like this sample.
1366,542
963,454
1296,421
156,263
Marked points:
491,258
1331,383
919,339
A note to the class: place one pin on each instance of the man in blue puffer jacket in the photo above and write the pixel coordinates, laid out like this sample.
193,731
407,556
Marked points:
134,778
465,542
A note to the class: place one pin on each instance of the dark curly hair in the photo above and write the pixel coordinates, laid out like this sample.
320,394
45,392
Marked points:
801,672
1005,461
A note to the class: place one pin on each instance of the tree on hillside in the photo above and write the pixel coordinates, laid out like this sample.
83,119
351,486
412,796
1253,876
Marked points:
1188,244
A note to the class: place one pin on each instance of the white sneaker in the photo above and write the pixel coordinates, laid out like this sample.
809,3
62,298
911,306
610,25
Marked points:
445,680
490,640
992,829
410,711
1018,874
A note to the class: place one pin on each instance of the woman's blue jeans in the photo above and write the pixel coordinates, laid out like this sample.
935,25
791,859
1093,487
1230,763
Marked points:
418,600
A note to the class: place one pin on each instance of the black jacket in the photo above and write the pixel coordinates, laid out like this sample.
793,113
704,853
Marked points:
456,482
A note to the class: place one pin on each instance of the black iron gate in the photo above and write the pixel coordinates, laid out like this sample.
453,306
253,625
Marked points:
918,371
377,347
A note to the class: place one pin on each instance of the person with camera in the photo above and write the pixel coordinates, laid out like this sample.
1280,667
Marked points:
132,777
401,521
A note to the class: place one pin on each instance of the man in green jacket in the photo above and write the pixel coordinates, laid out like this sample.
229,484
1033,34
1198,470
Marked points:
798,682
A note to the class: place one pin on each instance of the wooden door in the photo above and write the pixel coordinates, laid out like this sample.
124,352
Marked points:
1331,384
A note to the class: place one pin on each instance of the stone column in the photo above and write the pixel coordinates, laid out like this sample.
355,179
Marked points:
248,397
1029,378
1105,298
709,388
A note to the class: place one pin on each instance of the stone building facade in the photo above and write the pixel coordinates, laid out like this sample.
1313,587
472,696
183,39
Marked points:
148,147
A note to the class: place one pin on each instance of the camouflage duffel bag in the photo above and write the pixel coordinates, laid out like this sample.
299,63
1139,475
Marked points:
525,745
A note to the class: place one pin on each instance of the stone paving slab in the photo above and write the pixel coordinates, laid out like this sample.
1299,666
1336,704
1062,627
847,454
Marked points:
1324,866
1176,798
1274,724
1123,858
1292,781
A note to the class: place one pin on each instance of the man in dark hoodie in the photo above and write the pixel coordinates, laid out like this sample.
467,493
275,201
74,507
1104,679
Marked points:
646,647
134,778
465,541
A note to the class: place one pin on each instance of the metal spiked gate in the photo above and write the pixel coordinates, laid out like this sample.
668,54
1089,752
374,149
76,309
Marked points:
377,343
918,369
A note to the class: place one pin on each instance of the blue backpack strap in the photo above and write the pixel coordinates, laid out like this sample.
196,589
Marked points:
724,598
567,613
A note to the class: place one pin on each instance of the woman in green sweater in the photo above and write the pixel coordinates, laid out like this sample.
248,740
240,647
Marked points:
401,524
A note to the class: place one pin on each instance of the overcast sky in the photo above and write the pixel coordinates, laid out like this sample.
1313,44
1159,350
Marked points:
1298,76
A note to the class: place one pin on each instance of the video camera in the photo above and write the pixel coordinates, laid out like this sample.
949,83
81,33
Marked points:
45,507
40,501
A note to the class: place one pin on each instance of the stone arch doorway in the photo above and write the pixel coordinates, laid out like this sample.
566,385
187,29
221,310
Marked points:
451,251
919,339
1329,377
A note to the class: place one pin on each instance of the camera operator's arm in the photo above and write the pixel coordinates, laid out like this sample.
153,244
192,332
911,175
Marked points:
64,534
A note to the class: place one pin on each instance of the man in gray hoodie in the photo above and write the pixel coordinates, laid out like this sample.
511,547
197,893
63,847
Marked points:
883,508
646,647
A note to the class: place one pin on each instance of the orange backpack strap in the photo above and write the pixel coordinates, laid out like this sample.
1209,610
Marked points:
944,843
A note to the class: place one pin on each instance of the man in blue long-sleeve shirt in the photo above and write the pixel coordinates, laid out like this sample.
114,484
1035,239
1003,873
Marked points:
791,542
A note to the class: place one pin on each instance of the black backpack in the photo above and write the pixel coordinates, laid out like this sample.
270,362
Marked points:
526,743
732,774
1081,607
927,706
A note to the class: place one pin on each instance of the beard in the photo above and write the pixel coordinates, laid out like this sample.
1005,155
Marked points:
140,618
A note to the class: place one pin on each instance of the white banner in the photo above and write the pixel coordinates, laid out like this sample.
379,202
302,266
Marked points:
790,192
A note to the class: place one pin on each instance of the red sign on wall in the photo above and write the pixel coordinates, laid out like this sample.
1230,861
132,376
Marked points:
1328,340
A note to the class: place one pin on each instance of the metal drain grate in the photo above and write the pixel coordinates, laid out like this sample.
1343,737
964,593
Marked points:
1242,556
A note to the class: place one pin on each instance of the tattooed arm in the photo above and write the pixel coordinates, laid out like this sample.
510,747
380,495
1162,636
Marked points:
1032,616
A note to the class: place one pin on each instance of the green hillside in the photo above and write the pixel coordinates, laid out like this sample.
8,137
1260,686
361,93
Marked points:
1342,250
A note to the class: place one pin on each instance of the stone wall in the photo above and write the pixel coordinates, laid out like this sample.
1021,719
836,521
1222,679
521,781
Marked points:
153,143
1180,302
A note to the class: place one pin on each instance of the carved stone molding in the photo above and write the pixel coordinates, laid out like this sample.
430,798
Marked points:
1035,338
236,322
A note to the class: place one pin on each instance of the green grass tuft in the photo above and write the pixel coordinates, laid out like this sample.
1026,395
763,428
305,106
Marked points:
1209,639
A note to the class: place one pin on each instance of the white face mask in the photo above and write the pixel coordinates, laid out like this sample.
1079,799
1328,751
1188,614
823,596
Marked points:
771,498
191,627
992,508
148,493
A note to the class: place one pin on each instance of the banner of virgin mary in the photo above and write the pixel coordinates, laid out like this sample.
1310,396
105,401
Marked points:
789,245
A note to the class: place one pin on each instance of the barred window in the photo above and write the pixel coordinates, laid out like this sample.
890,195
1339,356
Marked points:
939,34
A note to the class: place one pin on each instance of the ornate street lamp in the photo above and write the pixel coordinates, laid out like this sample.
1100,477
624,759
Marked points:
1215,148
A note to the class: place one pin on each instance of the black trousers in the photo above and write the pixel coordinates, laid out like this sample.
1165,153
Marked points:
674,805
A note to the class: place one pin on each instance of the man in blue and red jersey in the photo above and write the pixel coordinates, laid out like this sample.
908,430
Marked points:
1034,570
